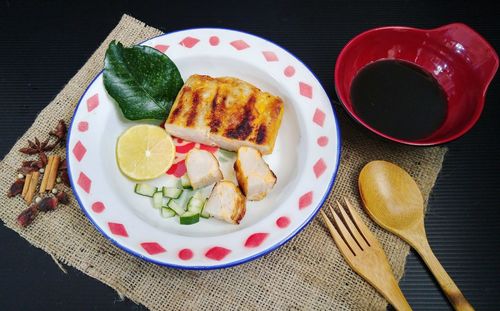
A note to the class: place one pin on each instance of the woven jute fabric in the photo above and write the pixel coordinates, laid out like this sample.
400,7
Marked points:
306,273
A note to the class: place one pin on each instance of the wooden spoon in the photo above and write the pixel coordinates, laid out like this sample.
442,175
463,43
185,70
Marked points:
393,200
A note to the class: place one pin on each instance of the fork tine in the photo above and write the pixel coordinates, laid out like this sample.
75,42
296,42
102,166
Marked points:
348,238
353,229
358,222
336,236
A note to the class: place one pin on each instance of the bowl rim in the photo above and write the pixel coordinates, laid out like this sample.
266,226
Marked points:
434,142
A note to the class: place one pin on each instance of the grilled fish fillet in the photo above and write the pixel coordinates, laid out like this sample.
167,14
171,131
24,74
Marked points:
226,202
226,112
254,175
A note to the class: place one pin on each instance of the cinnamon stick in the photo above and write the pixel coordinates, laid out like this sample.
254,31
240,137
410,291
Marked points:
27,180
53,172
45,179
32,187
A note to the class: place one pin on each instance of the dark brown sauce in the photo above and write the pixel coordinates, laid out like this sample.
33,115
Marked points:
399,99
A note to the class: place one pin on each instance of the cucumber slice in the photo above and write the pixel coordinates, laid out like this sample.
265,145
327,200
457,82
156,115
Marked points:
157,199
171,192
195,205
199,195
189,218
203,213
145,189
179,210
185,182
167,212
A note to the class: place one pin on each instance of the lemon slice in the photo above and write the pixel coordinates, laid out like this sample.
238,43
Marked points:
145,152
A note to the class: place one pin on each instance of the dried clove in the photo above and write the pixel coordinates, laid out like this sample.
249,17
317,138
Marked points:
65,178
62,197
48,204
27,216
16,188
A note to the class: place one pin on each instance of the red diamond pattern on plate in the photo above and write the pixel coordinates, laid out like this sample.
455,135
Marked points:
319,117
79,151
270,56
189,42
305,200
84,182
92,103
117,229
217,253
305,90
240,45
162,48
319,168
152,248
255,239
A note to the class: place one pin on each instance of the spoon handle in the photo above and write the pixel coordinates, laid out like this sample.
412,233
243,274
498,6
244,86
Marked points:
450,289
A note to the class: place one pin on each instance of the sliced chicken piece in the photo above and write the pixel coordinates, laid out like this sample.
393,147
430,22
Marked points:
202,168
254,175
226,202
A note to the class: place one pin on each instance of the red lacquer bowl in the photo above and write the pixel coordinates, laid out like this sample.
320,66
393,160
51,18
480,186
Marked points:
459,58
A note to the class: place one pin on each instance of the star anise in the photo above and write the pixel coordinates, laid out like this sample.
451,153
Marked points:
59,132
39,148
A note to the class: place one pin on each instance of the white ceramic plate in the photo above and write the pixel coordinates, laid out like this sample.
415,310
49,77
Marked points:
305,158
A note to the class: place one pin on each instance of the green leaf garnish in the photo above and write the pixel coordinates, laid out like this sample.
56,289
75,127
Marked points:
142,80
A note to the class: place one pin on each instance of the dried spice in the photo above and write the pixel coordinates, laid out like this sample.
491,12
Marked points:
48,204
60,133
16,188
65,178
36,147
30,168
63,168
62,197
27,216
62,165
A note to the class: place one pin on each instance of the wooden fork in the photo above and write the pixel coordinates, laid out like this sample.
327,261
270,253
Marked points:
363,253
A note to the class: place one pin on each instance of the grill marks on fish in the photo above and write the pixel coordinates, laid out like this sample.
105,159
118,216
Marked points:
180,105
261,134
245,126
215,114
193,112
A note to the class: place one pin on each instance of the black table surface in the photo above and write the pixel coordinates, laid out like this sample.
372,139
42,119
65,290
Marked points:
44,43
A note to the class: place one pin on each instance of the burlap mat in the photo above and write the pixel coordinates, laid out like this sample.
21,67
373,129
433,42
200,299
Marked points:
306,273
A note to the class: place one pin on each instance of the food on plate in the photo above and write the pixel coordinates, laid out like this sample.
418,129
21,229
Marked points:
226,202
226,112
143,81
202,168
254,175
174,201
144,152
